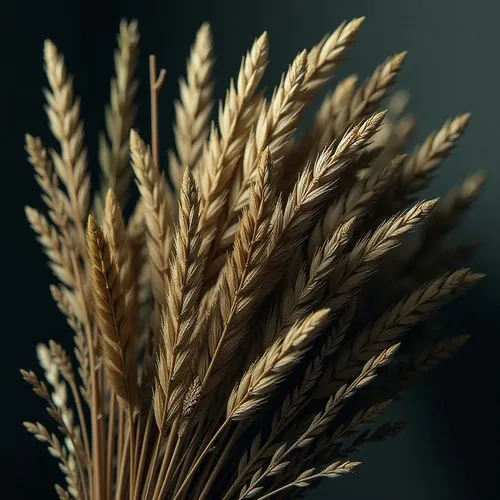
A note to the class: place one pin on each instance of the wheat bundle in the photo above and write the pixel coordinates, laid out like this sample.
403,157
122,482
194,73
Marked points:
231,341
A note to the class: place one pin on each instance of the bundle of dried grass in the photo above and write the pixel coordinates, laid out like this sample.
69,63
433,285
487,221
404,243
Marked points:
227,336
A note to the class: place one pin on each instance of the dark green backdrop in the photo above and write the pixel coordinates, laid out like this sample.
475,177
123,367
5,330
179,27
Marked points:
450,449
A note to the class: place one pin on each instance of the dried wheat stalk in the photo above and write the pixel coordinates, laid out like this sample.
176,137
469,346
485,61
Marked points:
227,340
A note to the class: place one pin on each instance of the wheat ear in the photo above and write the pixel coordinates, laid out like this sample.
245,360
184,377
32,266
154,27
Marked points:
114,324
120,115
392,325
262,378
324,58
63,112
179,315
240,283
319,424
109,300
192,111
223,150
322,61
415,174
374,89
157,213
354,202
121,253
275,126
291,224
306,290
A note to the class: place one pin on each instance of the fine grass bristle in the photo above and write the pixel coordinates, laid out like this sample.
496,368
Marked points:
262,304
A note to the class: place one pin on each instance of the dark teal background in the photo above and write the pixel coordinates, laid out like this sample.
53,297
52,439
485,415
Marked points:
450,450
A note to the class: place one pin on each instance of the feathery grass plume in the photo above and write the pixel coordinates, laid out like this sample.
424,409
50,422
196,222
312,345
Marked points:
273,130
241,283
395,322
224,147
192,111
324,58
157,213
63,112
416,172
345,106
261,379
178,347
112,317
56,200
319,423
354,202
121,253
120,115
230,338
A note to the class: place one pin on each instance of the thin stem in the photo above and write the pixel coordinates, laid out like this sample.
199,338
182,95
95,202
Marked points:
95,406
219,464
137,446
132,451
286,487
81,418
162,476
203,454
187,458
123,467
156,82
153,464
172,460
194,444
120,436
270,439
111,446
142,456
